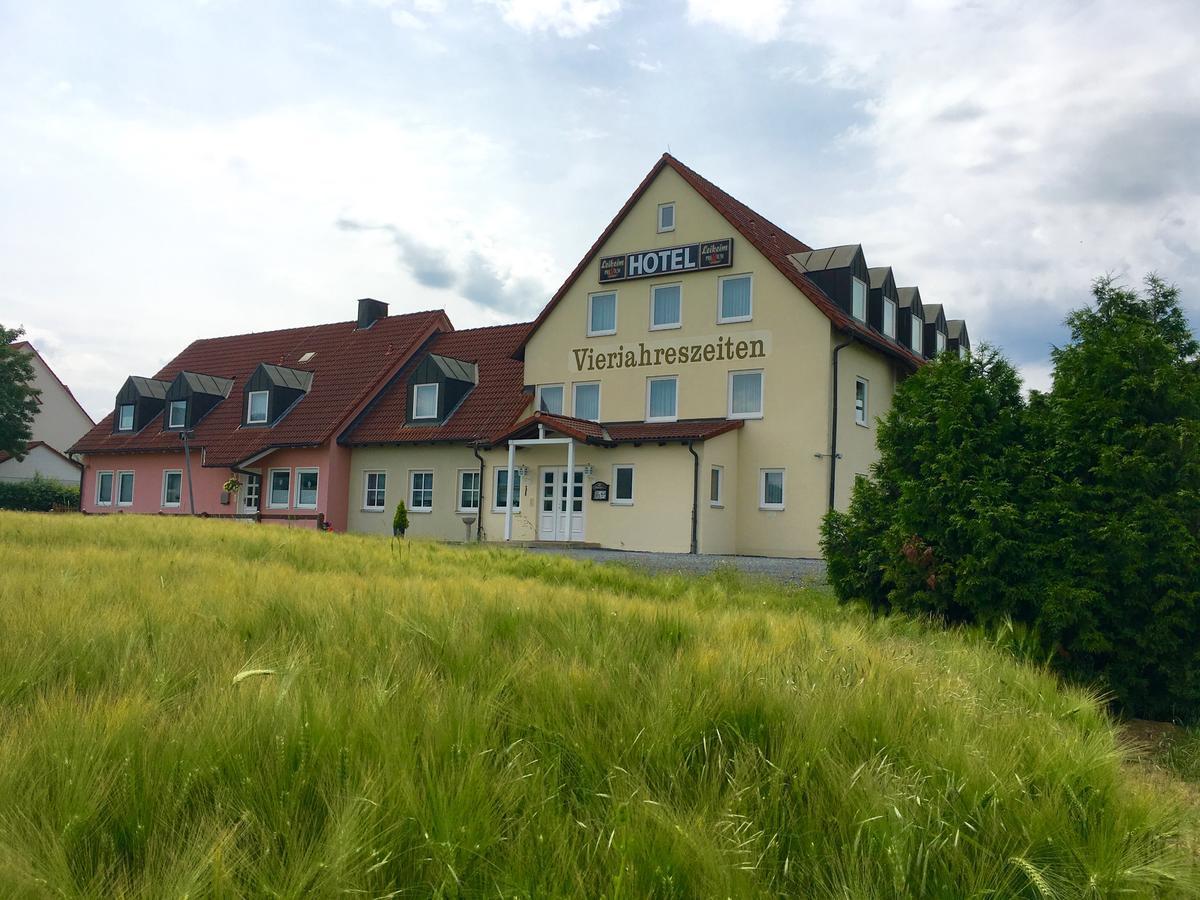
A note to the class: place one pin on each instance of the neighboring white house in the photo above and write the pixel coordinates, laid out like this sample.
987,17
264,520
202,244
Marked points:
60,422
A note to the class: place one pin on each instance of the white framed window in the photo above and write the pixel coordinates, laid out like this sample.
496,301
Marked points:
735,301
889,317
586,401
104,488
941,341
918,327
666,217
176,413
860,401
622,487
420,493
256,407
770,488
279,488
374,491
602,313
550,398
501,493
662,399
716,487
666,306
124,489
252,492
962,351
425,401
172,492
858,299
125,417
306,488
468,490
746,394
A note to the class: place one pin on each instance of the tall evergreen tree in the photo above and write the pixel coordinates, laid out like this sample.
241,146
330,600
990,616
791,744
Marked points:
1121,437
18,396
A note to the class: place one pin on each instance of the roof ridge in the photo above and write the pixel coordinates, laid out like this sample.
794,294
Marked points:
226,337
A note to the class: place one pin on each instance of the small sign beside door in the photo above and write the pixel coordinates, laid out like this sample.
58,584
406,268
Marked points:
600,491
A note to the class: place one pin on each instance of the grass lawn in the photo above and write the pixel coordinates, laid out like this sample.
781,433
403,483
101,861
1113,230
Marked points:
200,708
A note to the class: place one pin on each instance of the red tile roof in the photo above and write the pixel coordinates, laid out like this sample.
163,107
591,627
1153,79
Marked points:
349,366
591,432
493,404
768,238
5,456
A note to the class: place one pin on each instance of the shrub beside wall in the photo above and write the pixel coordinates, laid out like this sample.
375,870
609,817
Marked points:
38,495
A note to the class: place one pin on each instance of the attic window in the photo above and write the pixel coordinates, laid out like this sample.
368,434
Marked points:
307,356
256,414
125,417
666,217
176,413
425,401
859,307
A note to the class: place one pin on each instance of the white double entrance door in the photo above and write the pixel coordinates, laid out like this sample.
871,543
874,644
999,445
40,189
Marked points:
553,516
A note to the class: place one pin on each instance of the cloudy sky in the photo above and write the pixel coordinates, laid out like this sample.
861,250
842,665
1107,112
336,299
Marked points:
173,169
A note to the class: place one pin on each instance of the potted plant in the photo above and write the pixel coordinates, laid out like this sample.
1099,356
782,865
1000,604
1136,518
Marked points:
400,520
232,486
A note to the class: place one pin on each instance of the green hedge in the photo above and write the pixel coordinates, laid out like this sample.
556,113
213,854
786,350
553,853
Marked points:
39,495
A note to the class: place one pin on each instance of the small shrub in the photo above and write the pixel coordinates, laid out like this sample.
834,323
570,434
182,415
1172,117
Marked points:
38,495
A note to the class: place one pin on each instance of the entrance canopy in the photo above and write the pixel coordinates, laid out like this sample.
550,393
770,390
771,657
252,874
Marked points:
541,424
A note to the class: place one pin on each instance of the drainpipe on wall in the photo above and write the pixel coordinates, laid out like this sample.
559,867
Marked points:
833,431
479,517
691,445
82,472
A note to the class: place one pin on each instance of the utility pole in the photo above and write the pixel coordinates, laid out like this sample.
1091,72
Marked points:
187,460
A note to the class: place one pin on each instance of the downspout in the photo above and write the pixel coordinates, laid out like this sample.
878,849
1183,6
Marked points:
833,430
82,473
691,445
479,518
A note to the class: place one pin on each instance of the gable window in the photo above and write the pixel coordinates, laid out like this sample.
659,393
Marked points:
666,217
172,488
770,495
860,401
716,486
889,317
425,401
176,413
859,299
587,400
125,417
941,342
468,490
746,395
662,399
374,490
256,407
104,488
280,488
602,313
918,326
622,485
124,489
735,304
306,488
665,306
550,398
501,493
420,495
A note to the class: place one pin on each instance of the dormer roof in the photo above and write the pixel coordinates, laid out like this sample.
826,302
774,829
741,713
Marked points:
933,312
199,383
882,279
151,388
908,296
840,257
283,377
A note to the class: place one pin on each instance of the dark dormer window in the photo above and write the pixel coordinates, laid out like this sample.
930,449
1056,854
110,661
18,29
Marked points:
425,401
437,386
138,402
272,391
917,326
859,300
176,413
889,317
257,406
125,417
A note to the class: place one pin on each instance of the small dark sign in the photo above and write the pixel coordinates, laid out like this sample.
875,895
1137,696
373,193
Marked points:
648,263
600,491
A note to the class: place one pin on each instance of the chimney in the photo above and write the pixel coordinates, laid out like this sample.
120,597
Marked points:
369,310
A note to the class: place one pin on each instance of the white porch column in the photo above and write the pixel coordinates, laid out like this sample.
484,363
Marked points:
508,506
570,487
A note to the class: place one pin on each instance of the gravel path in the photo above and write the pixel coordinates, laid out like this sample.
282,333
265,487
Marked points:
788,571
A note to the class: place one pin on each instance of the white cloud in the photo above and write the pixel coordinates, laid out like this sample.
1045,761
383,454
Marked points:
566,18
757,20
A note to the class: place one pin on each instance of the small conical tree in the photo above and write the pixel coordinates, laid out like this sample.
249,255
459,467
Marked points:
400,520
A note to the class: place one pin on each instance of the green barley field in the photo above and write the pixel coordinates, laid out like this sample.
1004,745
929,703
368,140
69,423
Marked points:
208,709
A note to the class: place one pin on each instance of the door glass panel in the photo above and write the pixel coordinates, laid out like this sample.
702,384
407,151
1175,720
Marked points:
577,494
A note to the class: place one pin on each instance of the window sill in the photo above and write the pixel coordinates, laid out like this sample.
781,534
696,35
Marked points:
745,416
671,327
621,503
592,334
373,509
862,424
762,508
424,510
472,512
502,510
650,421
735,320
712,505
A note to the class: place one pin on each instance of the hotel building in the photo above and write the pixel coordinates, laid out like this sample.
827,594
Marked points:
702,381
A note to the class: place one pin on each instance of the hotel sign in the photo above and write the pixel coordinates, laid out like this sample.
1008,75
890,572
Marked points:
668,261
